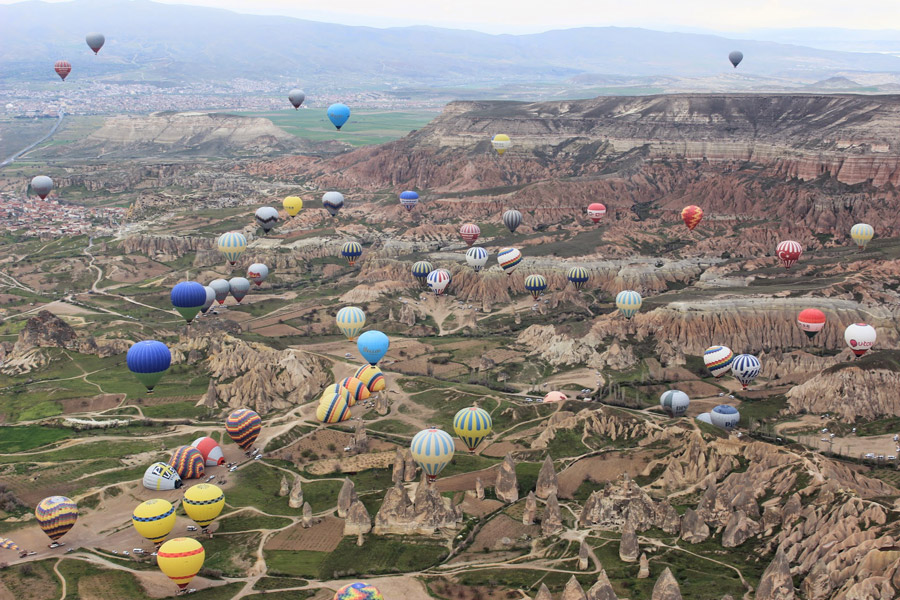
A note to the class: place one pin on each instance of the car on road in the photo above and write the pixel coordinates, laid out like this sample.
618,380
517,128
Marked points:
191,528
892,457
232,469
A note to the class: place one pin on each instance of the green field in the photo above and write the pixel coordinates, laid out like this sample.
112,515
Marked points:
365,127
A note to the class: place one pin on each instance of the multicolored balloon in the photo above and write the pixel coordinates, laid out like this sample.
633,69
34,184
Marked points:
333,202
56,515
469,232
789,252
334,405
148,360
536,284
257,273
432,449
372,377
860,337
203,503
293,205
438,280
358,591
180,559
596,211
476,257
188,297
691,215
8,544
718,360
160,476
350,320
420,271
501,143
509,259
243,427
409,199
357,389
512,219
811,321
629,303
472,425
745,368
154,519
578,276
267,218
232,245
187,462
373,345
338,114
351,251
862,234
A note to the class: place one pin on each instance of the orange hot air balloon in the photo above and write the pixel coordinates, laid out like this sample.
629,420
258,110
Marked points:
692,215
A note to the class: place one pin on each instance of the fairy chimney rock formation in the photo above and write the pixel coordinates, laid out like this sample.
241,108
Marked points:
409,466
346,497
551,520
423,515
666,587
295,500
479,489
358,521
530,512
507,486
285,489
399,466
602,589
543,593
573,590
307,521
547,482
738,529
629,551
644,568
210,398
693,529
583,557
776,582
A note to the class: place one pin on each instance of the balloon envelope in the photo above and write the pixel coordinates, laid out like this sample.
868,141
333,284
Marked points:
536,284
358,591
501,143
293,205
691,215
232,245
257,273
148,360
512,219
469,232
154,519
95,41
373,345
718,360
421,269
509,259
372,377
356,389
735,57
267,218
350,320
210,298
188,297
334,405
745,368
221,287
62,68
239,287
596,211
725,416
210,450
789,252
472,425
476,257
56,515
674,402
811,321
860,337
438,280
432,449
629,302
296,97
409,199
243,427
862,234
160,476
338,114
188,462
351,251
203,503
42,185
578,276
333,201
181,559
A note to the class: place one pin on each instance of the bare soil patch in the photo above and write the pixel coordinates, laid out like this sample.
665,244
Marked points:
473,506
466,481
321,537
98,403
600,469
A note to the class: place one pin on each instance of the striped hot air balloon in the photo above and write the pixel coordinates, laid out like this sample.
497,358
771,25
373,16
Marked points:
512,219
56,515
351,251
420,271
350,320
154,519
62,68
438,280
160,476
691,215
357,389
745,368
811,321
8,544
476,257
789,252
334,405
187,462
149,360
578,276
469,233
509,259
629,303
372,377
409,199
243,427
181,559
232,245
211,451
718,360
358,591
203,503
472,425
862,234
432,449
536,284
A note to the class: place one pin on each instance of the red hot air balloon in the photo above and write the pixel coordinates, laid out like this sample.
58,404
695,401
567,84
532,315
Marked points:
789,252
811,321
469,232
596,211
62,68
691,215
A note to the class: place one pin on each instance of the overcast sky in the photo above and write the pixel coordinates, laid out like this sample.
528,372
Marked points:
524,16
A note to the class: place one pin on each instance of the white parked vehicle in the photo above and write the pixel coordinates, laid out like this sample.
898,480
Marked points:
191,528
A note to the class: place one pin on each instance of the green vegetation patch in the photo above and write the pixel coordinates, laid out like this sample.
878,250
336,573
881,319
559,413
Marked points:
381,554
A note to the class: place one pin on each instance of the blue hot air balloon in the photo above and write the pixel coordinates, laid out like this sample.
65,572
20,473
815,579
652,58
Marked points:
148,360
409,200
338,114
188,297
373,345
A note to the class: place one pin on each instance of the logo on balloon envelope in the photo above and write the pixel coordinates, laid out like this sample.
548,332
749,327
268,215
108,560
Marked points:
373,345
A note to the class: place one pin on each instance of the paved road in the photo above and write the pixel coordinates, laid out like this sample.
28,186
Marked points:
15,156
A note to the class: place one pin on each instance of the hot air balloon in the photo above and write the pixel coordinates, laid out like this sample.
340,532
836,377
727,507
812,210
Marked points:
432,449
718,360
257,273
674,402
536,284
333,201
187,462
469,233
745,368
501,143
509,259
203,503
862,234
232,245
296,98
691,215
154,519
221,287
42,185
56,515
188,297
725,416
62,68
350,320
596,211
629,302
338,114
160,476
8,544
420,271
267,218
512,219
358,591
438,280
243,427
180,559
210,450
704,418
860,337
334,405
811,321
472,425
409,199
210,298
578,276
476,257
373,345
555,397
372,377
95,41
789,252
148,360
735,56
351,251
239,287
293,205
356,388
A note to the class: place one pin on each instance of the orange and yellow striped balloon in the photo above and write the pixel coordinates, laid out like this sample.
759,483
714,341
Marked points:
692,215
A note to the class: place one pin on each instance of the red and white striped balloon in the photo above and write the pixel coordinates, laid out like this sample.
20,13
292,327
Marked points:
789,252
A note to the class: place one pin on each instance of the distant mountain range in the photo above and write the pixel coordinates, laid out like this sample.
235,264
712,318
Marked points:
169,44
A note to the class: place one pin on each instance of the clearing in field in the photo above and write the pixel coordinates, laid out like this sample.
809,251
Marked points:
322,537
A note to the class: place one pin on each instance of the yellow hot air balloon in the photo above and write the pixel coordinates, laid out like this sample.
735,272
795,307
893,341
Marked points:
862,234
334,405
371,376
181,559
472,425
293,204
154,519
203,503
432,449
501,143
350,320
